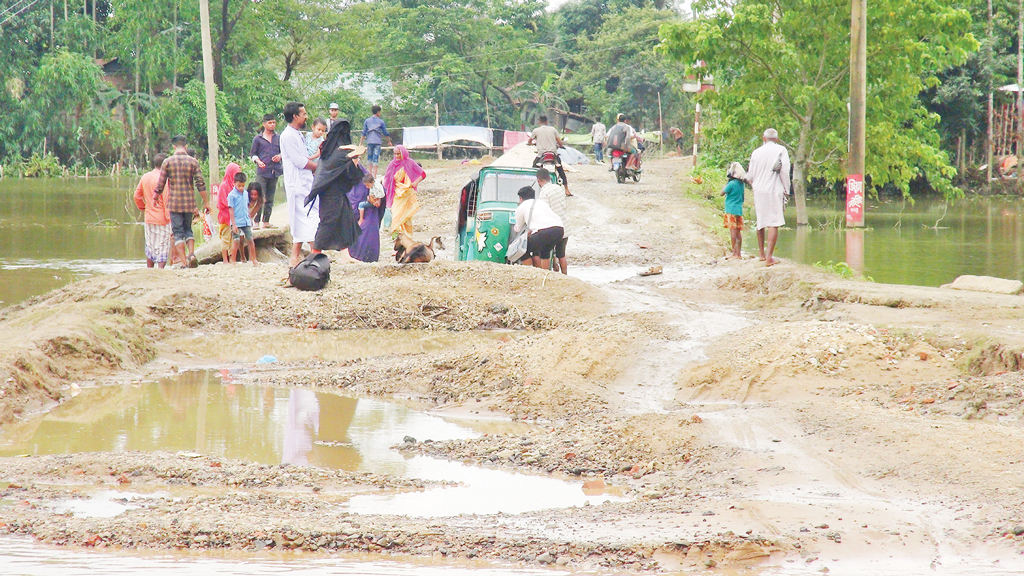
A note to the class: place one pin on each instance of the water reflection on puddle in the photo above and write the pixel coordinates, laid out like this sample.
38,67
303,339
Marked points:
196,411
297,346
203,412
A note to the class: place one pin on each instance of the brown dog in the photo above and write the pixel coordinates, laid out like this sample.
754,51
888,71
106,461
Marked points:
409,251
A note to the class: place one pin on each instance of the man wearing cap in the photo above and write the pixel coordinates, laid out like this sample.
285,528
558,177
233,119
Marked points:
332,112
266,154
178,173
374,132
768,173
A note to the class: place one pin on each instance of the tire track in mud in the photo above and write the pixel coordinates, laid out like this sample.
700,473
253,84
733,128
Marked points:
649,384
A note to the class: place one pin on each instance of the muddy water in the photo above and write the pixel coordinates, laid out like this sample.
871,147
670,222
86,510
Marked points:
927,244
53,232
208,413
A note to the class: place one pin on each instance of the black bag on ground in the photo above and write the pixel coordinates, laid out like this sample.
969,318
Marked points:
311,274
616,138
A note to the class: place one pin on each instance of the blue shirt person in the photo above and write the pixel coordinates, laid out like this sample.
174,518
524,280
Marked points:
374,132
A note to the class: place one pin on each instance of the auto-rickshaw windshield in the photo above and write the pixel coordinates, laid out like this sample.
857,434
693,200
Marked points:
505,187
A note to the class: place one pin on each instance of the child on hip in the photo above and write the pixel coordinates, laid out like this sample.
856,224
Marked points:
373,198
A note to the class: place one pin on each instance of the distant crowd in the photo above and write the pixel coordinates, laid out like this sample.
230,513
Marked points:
335,199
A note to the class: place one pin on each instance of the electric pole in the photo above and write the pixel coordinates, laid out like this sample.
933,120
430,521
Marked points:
211,90
858,113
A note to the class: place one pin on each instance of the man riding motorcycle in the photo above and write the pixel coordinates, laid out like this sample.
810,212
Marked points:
548,142
623,137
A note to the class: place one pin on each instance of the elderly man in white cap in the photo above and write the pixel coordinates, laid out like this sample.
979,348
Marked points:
768,173
332,111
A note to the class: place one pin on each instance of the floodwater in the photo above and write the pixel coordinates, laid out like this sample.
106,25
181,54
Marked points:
56,231
53,232
206,412
927,244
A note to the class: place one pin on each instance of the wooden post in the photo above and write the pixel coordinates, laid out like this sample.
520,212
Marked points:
211,90
661,125
437,125
858,114
696,132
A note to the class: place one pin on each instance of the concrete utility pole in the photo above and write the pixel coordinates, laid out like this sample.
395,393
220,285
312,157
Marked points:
858,113
988,74
211,90
1020,95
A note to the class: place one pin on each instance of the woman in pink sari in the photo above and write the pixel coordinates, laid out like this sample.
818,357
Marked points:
400,181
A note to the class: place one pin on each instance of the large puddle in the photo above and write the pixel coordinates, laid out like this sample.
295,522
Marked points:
206,412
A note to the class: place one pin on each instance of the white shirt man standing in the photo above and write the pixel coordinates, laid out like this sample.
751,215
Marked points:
552,194
298,180
768,172
597,135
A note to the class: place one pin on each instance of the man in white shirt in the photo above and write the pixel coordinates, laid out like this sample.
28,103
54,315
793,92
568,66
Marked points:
768,173
543,225
597,135
298,180
556,199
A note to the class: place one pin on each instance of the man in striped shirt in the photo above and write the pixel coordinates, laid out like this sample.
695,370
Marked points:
178,174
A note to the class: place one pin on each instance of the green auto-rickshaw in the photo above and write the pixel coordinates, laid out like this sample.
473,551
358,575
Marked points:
487,211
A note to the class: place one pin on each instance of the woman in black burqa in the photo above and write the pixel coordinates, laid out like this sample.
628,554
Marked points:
338,171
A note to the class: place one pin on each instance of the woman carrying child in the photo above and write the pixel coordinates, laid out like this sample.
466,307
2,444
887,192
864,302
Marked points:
733,193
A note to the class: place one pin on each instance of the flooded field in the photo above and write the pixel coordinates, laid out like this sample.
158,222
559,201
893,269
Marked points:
928,243
55,231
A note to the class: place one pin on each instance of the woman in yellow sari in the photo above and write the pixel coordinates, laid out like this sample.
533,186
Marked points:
400,181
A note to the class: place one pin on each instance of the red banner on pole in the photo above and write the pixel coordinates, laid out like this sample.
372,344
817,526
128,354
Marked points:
855,200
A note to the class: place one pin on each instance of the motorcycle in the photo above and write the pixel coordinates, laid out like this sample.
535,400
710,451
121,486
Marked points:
548,161
626,166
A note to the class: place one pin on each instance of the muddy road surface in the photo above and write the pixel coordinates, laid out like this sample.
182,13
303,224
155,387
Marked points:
717,416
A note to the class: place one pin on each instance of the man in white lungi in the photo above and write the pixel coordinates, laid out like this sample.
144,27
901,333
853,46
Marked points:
769,176
298,180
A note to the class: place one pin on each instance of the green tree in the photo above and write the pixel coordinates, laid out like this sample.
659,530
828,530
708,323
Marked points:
619,71
785,63
68,111
471,58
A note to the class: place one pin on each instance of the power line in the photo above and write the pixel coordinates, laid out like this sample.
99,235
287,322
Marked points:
12,7
22,10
